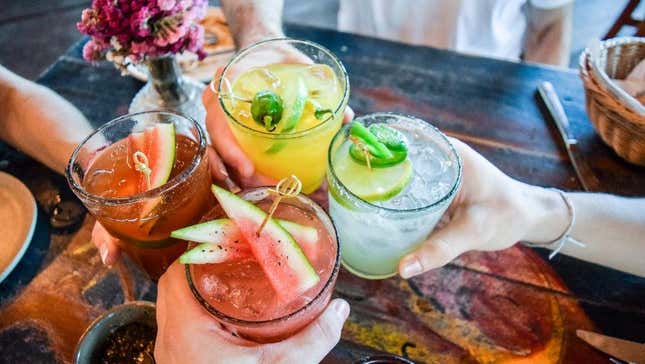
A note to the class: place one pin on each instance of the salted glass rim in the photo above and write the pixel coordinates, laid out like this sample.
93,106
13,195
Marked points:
453,190
255,323
172,183
242,53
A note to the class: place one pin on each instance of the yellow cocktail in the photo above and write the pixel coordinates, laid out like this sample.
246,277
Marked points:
285,100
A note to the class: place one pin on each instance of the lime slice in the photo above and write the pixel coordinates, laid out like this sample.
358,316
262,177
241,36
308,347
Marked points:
295,97
379,184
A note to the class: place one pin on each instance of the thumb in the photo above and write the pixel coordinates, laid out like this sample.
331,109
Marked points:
315,341
441,247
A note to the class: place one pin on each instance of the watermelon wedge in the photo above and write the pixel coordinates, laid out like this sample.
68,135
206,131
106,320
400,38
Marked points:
161,150
226,233
281,259
214,253
220,231
157,143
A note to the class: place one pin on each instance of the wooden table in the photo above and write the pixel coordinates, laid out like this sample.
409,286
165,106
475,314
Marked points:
509,306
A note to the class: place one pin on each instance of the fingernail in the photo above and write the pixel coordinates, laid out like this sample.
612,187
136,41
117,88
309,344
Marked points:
231,186
103,252
223,171
341,308
411,267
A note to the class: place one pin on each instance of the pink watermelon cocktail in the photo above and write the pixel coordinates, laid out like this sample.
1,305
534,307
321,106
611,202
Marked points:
259,299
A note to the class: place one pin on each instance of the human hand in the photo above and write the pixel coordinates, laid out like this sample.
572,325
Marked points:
491,211
186,333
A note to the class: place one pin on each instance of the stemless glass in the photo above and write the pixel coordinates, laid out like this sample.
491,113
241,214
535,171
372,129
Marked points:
143,221
374,237
303,152
263,330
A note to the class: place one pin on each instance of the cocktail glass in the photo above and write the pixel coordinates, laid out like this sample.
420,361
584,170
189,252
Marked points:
302,152
239,295
376,235
100,172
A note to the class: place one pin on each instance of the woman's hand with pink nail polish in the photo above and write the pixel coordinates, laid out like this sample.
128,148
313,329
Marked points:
491,211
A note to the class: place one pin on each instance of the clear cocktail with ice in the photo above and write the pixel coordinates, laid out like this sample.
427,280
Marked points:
386,208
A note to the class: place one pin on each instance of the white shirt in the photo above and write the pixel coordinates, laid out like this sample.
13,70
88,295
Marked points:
492,28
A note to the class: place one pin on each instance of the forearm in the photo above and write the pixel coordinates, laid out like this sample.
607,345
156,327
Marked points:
548,35
612,227
39,122
253,20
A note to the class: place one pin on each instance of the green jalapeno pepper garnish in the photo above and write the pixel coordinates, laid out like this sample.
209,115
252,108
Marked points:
375,147
375,138
266,109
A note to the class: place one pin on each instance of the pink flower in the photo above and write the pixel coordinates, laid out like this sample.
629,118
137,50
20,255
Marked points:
139,22
92,51
142,28
166,5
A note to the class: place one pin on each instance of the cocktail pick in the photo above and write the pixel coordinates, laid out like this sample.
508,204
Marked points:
364,150
141,164
287,187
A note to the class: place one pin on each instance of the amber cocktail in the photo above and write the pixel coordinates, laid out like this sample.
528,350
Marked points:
142,176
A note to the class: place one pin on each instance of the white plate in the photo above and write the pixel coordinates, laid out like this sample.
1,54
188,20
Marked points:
17,222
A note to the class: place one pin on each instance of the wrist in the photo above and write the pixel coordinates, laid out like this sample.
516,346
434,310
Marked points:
548,215
255,35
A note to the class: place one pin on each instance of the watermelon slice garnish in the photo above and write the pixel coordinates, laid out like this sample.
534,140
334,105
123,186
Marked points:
224,232
156,147
157,144
161,152
215,253
220,231
283,262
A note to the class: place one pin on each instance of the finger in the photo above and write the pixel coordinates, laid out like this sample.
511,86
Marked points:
106,244
173,291
315,341
258,180
441,247
349,115
221,136
219,172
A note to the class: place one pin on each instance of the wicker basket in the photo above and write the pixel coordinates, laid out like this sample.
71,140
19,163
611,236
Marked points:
619,126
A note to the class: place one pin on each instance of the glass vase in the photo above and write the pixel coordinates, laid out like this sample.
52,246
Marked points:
166,89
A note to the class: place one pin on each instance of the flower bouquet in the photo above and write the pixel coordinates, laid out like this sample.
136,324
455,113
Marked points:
125,31
150,32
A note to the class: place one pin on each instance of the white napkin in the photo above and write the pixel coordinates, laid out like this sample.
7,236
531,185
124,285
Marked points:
634,83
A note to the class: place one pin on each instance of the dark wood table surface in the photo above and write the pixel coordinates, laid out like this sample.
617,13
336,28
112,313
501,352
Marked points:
509,306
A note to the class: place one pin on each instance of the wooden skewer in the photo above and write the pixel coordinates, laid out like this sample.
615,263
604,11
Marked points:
287,187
